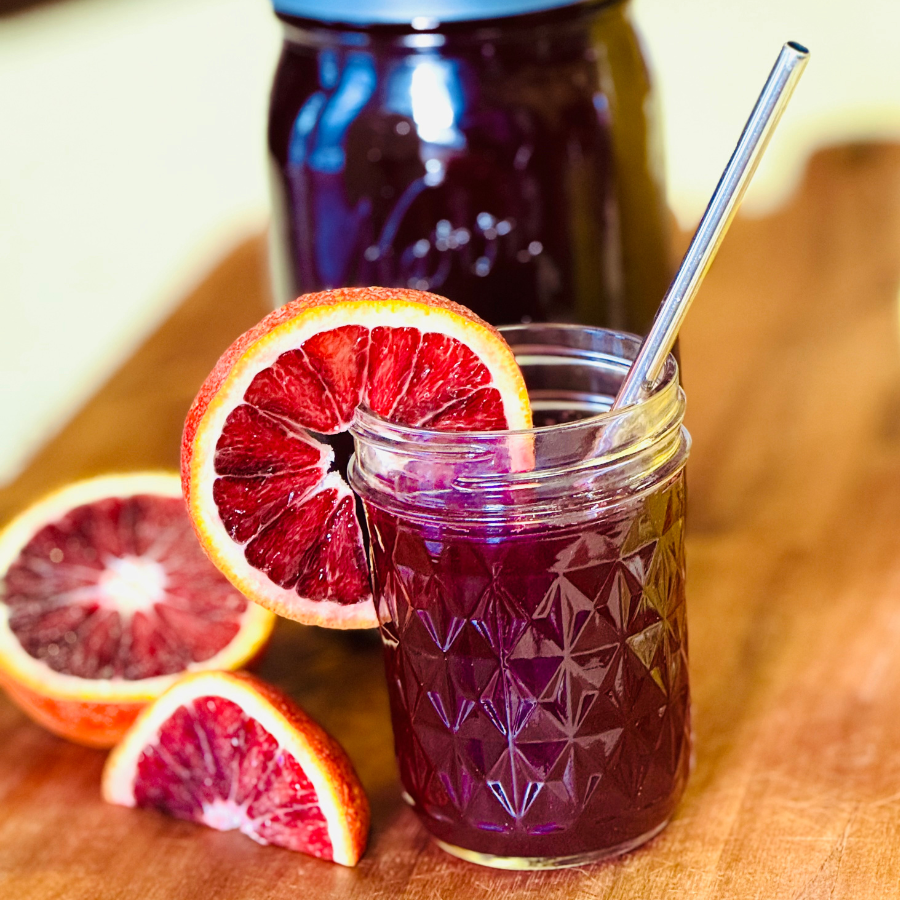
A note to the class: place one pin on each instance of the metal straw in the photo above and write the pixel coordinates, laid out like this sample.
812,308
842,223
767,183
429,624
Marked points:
722,208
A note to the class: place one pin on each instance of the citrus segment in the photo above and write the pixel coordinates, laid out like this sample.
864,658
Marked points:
268,512
228,751
105,598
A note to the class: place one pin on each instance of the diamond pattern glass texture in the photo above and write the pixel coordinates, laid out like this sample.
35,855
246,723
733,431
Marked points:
538,679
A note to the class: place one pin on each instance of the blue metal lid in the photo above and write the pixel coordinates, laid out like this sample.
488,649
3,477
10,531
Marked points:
424,15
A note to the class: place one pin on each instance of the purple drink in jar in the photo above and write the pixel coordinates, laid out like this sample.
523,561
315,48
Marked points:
501,152
533,621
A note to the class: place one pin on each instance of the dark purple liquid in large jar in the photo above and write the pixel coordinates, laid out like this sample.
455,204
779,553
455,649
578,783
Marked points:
538,679
508,164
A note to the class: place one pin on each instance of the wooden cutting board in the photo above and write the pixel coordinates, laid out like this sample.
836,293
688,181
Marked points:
792,370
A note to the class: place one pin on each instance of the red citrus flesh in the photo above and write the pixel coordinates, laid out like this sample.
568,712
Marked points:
106,601
231,752
267,509
120,589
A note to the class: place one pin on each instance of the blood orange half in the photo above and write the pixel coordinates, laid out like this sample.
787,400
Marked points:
268,511
231,752
106,599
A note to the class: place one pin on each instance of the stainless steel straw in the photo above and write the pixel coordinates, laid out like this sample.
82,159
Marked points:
721,210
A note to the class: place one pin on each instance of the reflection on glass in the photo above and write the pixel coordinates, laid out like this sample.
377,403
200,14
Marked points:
509,168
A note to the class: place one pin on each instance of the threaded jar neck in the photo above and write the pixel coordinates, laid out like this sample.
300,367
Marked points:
553,473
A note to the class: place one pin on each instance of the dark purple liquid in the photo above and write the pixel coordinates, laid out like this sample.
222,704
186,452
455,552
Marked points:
538,679
508,165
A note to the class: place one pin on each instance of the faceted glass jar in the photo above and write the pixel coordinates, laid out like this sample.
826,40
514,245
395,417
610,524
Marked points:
511,164
530,588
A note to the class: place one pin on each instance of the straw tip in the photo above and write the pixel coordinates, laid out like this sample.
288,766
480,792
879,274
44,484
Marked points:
797,47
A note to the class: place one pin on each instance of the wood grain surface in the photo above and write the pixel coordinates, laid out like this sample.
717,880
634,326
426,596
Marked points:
792,369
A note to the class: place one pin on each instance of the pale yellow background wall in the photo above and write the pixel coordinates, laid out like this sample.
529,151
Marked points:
132,155
712,57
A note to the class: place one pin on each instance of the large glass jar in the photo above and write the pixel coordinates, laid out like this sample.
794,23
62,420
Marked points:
503,153
530,590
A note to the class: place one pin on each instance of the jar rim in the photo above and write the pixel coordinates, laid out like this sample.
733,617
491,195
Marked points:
410,13
664,392
546,471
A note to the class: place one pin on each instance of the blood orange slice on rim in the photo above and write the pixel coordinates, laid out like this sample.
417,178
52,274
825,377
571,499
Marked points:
106,599
231,752
268,511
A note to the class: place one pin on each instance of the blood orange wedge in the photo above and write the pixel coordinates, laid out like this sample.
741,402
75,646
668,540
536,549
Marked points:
106,599
271,515
232,752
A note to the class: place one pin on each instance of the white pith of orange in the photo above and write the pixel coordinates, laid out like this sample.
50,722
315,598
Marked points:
121,767
227,554
254,625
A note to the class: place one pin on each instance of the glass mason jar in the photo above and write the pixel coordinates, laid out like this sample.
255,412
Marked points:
530,591
503,153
